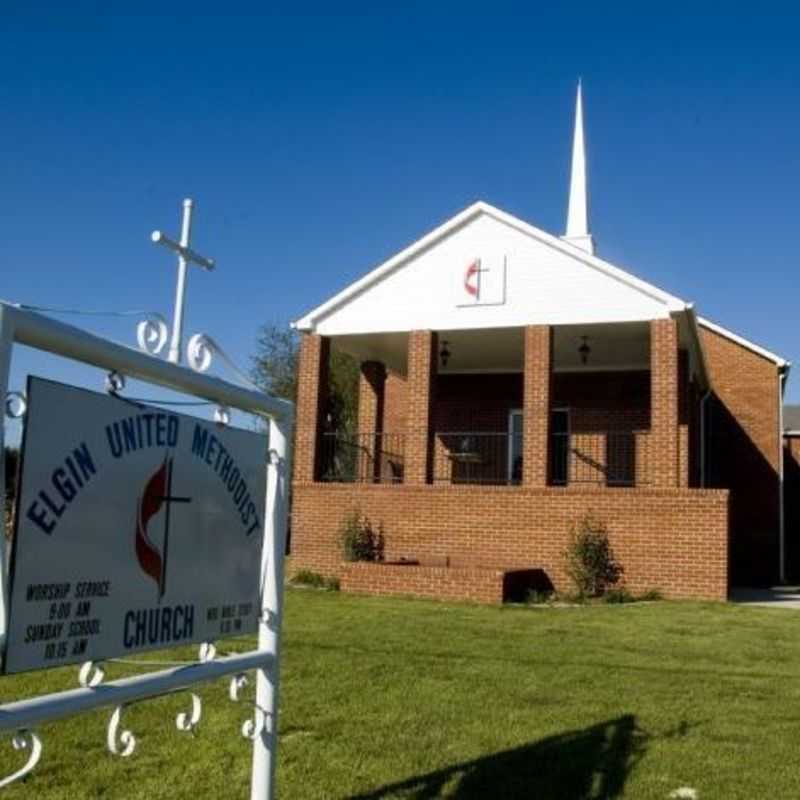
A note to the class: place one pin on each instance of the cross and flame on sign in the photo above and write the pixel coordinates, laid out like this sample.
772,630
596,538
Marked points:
157,494
472,278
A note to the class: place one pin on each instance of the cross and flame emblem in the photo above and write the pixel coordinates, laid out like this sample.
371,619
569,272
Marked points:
156,495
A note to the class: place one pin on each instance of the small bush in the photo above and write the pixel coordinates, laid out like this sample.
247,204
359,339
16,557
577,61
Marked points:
536,597
590,561
360,541
570,598
305,577
650,595
620,595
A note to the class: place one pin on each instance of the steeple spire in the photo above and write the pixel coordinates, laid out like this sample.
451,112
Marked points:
578,213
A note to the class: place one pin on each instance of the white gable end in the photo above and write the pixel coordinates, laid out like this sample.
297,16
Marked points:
488,270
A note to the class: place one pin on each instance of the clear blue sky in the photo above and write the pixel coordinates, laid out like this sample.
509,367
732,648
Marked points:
318,140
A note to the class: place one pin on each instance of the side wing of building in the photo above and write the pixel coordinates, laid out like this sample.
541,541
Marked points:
745,452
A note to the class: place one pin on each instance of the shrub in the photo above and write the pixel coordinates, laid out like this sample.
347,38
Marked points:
621,595
651,595
536,597
305,577
360,541
590,561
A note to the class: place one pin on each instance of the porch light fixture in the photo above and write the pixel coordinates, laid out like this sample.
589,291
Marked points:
584,350
444,354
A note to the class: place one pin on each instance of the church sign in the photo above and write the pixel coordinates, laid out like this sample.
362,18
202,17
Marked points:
136,529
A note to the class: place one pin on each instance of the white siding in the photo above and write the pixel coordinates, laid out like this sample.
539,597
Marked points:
544,285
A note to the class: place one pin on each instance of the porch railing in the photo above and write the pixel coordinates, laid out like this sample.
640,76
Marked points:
595,446
607,458
492,458
362,458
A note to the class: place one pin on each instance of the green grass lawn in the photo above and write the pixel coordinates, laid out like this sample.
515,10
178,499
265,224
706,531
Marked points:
390,698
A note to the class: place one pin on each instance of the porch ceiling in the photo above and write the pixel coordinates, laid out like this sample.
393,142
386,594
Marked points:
619,346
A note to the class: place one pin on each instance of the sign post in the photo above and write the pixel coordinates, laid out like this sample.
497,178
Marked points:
6,337
64,479
265,746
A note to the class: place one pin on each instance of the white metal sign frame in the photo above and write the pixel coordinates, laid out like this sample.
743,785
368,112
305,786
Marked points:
21,718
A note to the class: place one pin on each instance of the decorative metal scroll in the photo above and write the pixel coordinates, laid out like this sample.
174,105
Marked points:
16,405
152,334
24,741
120,741
253,727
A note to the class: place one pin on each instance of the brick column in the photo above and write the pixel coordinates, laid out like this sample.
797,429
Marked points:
422,355
312,400
538,381
371,387
664,451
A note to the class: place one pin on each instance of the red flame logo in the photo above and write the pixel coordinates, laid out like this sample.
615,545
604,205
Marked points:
473,271
150,504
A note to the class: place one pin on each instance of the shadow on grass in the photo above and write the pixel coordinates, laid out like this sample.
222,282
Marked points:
591,763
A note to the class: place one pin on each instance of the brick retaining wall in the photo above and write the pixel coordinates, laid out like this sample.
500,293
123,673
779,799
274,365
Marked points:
673,540
437,583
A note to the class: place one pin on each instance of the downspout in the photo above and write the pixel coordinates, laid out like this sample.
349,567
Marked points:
781,509
702,369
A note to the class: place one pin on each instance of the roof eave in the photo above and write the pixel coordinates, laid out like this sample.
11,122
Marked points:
781,363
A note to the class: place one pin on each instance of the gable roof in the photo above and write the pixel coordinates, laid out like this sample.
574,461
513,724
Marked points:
309,320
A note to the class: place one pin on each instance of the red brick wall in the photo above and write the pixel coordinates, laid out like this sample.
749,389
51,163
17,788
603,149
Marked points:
463,402
476,402
371,385
744,453
482,402
674,540
436,583
617,390
600,402
394,403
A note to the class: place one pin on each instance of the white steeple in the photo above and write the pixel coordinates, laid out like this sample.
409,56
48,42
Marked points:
578,213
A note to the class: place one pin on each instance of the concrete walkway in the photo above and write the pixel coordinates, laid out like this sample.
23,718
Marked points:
774,597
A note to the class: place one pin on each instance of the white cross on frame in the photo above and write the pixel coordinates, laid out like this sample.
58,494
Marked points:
186,256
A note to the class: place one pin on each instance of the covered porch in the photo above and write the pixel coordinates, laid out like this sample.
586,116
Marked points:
603,405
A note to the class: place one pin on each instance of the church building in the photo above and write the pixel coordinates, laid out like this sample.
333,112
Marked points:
512,382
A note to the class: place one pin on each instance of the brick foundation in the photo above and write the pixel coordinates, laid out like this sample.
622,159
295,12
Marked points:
674,540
